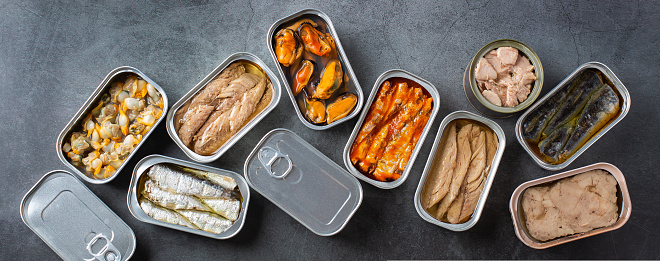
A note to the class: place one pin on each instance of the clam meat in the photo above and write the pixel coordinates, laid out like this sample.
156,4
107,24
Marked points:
303,76
314,41
315,110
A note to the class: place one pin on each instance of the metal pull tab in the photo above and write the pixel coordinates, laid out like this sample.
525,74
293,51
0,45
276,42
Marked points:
268,156
107,252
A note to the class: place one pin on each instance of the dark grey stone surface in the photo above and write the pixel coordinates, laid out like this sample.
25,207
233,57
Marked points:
53,54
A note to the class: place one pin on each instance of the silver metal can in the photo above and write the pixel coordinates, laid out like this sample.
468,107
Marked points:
74,222
350,81
517,215
436,107
140,171
118,73
489,178
618,87
247,58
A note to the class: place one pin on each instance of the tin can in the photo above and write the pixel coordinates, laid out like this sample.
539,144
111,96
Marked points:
114,75
350,81
303,182
489,178
618,87
436,107
248,59
140,171
472,90
517,215
74,222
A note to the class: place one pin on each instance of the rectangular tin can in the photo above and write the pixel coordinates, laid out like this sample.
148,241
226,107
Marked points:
515,206
89,105
625,107
489,179
237,57
436,107
74,222
140,170
352,83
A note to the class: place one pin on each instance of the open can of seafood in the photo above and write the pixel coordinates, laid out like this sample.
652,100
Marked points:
348,84
178,118
608,78
137,128
436,155
173,186
74,222
303,182
395,76
623,203
473,91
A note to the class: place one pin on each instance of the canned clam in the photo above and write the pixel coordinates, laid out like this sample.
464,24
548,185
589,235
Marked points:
464,198
112,125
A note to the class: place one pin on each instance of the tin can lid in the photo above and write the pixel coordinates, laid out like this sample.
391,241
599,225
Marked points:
303,182
75,223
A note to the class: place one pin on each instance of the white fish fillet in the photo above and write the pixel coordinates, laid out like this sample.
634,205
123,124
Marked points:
228,208
207,221
181,183
167,199
164,215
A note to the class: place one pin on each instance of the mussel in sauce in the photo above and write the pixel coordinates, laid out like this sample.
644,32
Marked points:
315,110
340,107
331,80
287,47
303,76
314,41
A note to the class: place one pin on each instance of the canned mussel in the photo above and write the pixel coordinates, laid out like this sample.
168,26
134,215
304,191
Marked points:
188,197
573,116
315,70
384,142
113,123
223,107
569,206
460,171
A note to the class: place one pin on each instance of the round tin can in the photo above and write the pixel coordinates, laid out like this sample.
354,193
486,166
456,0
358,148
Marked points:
472,90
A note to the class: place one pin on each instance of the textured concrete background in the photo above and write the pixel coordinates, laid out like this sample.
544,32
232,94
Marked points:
53,54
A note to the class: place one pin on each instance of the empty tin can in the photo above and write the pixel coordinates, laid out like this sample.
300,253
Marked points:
137,184
117,74
610,78
461,115
350,82
254,65
75,223
518,216
428,87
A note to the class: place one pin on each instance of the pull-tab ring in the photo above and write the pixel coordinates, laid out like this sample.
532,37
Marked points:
108,252
268,156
